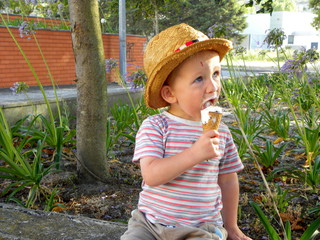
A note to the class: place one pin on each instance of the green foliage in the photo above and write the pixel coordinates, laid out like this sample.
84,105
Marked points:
282,199
248,126
303,98
255,93
285,102
275,37
142,16
261,55
24,174
310,138
284,5
217,19
43,8
268,157
264,220
149,17
51,201
308,175
315,6
56,136
315,210
279,122
121,126
311,117
273,233
37,25
266,6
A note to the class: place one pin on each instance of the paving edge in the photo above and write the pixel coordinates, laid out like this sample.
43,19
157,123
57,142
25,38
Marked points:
21,223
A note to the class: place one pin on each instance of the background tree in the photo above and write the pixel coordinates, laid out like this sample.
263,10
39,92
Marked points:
223,18
284,5
91,89
142,15
264,6
43,8
315,6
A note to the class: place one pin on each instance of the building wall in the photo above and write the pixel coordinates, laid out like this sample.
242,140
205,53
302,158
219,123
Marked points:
291,22
296,24
56,47
257,23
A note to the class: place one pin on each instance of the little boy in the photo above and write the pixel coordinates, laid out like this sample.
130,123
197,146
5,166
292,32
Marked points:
190,183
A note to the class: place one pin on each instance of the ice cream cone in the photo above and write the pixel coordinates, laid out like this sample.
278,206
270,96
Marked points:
211,118
213,123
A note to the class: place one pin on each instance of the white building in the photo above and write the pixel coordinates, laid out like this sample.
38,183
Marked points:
296,25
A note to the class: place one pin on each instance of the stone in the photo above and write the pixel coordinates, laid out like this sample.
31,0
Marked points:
22,223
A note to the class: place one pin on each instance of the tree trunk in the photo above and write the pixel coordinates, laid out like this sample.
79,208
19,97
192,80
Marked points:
156,20
91,90
156,17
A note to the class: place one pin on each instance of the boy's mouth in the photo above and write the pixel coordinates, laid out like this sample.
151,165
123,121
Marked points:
209,102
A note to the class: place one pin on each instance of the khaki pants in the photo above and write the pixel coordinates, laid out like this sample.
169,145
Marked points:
139,228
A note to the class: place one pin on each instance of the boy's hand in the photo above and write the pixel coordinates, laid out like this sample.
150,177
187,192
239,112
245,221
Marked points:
237,234
207,146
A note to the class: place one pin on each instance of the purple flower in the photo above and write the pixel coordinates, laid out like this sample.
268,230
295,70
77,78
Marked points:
49,12
137,79
111,63
60,7
306,56
19,87
26,29
291,66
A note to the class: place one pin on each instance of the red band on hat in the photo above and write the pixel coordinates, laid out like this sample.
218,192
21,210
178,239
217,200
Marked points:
187,44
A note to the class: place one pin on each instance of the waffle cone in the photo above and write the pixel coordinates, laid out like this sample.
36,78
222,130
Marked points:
213,123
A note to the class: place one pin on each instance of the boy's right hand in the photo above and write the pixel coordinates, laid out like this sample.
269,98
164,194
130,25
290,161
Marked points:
207,146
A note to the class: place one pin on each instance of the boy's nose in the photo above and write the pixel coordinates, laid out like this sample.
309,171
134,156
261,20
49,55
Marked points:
212,86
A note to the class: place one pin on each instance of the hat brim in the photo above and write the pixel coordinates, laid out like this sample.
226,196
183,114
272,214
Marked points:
161,72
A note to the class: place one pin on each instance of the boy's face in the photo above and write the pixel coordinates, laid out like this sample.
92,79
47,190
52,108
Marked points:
194,85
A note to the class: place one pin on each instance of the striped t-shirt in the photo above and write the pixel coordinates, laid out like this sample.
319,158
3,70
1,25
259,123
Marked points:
194,197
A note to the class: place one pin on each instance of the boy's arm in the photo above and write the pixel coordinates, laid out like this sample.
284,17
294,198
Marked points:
156,171
230,198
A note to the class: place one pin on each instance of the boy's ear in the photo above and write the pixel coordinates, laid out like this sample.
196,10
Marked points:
167,94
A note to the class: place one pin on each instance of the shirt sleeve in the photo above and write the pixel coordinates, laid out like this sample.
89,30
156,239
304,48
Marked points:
230,162
149,140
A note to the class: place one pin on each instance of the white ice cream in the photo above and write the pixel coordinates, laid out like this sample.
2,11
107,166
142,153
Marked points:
205,113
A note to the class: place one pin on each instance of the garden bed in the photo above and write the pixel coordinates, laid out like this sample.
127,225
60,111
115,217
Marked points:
115,200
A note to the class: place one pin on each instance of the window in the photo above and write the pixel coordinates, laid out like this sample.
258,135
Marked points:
290,39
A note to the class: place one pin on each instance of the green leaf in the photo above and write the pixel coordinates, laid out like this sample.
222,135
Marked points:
288,230
311,229
270,230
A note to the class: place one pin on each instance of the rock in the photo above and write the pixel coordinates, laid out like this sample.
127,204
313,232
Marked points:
21,223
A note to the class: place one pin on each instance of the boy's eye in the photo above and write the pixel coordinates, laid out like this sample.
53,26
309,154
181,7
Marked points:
198,79
216,74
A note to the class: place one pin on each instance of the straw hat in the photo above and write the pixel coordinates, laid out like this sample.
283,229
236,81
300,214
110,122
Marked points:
168,49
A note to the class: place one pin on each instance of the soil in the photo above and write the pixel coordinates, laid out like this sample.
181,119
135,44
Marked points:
114,201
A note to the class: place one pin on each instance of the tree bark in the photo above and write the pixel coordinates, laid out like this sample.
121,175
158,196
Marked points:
91,90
